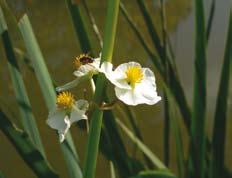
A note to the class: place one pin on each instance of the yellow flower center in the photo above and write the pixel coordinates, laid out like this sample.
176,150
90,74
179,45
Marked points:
82,60
65,100
134,75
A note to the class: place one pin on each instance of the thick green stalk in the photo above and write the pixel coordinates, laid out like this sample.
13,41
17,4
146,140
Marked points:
197,149
219,130
96,123
25,109
117,153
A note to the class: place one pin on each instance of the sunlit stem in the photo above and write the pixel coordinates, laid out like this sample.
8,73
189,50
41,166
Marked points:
96,121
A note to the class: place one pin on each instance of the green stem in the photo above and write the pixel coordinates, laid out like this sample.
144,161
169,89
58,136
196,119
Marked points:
96,123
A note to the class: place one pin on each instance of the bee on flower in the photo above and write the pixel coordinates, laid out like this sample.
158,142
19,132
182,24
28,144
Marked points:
133,84
86,67
66,112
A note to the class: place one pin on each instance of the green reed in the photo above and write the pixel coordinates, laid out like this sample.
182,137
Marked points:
96,124
205,158
48,90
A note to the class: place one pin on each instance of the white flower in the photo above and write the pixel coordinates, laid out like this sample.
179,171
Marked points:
67,111
86,67
133,84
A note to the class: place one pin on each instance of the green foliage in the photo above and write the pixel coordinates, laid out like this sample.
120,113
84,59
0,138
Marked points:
1,175
115,151
197,149
27,116
162,173
210,20
48,91
219,130
174,84
26,149
96,123
141,146
104,125
80,26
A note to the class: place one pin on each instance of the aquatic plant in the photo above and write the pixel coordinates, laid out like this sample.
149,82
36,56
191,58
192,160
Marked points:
133,85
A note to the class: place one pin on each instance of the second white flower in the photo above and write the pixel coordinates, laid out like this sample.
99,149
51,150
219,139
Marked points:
133,84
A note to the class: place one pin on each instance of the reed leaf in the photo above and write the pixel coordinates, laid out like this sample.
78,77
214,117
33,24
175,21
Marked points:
155,174
80,26
138,34
113,147
41,71
127,113
197,149
96,123
38,63
112,170
210,19
179,147
93,23
219,129
1,175
26,149
175,127
25,109
166,129
141,146
150,26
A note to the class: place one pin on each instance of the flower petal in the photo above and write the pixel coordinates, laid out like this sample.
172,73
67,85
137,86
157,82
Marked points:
76,116
82,105
122,68
65,130
106,68
96,63
59,120
56,119
137,96
90,68
115,77
148,75
147,93
126,96
84,70
79,110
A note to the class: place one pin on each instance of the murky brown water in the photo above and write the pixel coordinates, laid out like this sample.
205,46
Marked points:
57,40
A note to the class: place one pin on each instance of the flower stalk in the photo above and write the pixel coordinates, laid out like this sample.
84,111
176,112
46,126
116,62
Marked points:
96,123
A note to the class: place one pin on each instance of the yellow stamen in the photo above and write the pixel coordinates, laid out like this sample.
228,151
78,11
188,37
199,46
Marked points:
82,60
134,75
65,100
